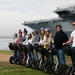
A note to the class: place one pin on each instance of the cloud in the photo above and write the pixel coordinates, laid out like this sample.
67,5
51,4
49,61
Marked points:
11,22
15,12
36,7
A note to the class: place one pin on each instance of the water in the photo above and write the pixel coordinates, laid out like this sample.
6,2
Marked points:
4,42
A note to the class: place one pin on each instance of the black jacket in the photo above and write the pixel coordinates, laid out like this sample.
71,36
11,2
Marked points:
60,38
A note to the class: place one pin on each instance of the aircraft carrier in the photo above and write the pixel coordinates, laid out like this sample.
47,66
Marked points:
65,17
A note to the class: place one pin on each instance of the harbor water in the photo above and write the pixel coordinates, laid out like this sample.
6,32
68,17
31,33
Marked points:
4,42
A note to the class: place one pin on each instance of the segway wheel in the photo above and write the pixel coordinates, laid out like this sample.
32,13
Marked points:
18,62
11,60
33,67
45,70
69,71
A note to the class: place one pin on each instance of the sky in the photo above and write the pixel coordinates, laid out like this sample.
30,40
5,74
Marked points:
14,12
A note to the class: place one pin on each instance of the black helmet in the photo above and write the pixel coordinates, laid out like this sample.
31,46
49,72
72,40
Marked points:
25,30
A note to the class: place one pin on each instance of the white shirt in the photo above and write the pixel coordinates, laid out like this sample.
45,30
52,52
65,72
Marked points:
15,40
28,42
73,36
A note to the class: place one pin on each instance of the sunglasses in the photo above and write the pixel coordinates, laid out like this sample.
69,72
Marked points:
73,24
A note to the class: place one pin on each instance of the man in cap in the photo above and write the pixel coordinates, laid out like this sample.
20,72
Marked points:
72,39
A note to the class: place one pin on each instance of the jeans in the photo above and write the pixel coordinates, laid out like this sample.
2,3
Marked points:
37,56
61,57
20,55
31,56
15,54
50,58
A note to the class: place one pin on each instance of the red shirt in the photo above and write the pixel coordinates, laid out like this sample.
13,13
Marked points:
19,41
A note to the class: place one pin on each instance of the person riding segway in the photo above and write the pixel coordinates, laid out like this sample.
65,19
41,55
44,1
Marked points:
48,53
72,51
60,38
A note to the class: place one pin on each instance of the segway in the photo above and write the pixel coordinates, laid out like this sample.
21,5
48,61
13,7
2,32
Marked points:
12,59
64,69
49,68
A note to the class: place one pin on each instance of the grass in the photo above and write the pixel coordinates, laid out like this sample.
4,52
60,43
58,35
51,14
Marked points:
12,69
68,58
6,52
9,69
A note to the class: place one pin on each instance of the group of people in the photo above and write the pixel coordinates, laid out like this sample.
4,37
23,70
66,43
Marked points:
44,39
26,42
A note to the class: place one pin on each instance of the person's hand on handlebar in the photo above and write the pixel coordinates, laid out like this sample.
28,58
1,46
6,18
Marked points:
64,43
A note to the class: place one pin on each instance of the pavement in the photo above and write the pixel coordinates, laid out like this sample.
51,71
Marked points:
4,58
